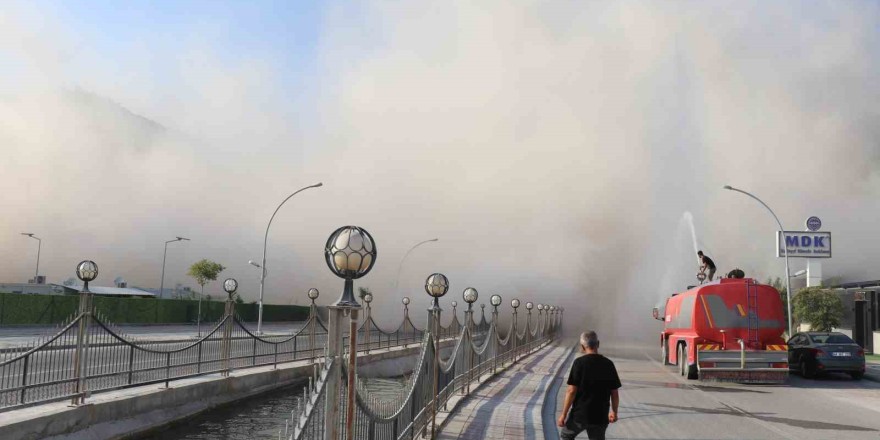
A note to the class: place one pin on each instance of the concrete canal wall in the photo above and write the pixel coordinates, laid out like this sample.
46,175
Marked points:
132,412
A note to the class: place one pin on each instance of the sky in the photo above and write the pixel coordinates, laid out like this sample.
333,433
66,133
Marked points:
556,148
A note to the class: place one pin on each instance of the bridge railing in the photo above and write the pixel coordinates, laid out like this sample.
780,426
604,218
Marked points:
88,354
479,349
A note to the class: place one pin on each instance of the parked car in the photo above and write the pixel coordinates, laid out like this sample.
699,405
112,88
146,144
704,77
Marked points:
812,353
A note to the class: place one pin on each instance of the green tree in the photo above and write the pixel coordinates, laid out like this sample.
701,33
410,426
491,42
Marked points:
203,271
819,307
363,291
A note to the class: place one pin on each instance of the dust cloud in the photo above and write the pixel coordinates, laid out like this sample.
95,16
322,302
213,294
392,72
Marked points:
552,147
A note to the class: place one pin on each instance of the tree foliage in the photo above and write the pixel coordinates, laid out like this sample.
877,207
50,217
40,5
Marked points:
205,270
819,307
363,291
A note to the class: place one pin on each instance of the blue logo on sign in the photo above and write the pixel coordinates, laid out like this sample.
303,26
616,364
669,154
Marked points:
814,224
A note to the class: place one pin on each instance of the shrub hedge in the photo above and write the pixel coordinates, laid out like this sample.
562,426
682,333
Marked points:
18,308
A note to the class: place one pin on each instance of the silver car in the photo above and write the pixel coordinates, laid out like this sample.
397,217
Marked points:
812,353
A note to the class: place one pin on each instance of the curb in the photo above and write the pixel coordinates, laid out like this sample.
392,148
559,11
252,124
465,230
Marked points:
548,410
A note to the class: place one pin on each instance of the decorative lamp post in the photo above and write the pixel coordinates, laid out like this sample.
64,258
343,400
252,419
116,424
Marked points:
529,307
495,300
454,304
515,304
541,319
86,271
482,313
350,253
405,302
313,318
470,296
230,285
436,285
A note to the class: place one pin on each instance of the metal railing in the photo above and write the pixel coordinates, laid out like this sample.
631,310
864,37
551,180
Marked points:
88,354
433,382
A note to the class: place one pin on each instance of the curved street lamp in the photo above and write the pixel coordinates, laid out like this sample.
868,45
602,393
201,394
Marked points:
784,249
400,266
164,256
39,247
263,264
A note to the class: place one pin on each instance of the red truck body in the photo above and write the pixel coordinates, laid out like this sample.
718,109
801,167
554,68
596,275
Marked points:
727,330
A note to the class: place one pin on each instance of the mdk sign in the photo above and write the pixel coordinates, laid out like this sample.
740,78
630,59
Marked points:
804,244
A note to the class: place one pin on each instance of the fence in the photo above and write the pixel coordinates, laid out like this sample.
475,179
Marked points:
336,405
88,354
16,308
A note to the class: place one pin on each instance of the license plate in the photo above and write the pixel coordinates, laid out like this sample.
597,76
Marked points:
841,354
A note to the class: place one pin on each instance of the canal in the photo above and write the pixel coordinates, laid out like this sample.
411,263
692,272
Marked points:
256,418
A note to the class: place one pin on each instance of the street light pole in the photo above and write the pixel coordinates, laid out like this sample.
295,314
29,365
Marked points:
39,246
400,266
164,256
263,264
784,250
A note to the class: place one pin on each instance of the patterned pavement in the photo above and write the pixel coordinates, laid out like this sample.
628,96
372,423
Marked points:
509,405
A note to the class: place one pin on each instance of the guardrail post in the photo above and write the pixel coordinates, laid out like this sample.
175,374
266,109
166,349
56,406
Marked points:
352,373
80,355
515,337
495,340
433,326
229,313
469,357
313,317
335,352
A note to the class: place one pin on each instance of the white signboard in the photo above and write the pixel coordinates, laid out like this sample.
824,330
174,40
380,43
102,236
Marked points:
804,244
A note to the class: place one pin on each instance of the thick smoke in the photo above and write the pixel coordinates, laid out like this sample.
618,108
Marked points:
552,147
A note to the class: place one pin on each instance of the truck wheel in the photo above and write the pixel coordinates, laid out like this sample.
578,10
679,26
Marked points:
664,352
857,375
692,373
682,359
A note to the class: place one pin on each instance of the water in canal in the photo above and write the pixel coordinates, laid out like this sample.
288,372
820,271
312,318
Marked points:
256,418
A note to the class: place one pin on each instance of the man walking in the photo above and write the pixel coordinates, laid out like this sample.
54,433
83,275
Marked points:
706,263
592,383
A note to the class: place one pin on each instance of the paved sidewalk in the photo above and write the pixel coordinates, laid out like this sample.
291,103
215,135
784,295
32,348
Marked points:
508,406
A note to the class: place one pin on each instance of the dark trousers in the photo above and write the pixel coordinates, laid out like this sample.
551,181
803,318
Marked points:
572,429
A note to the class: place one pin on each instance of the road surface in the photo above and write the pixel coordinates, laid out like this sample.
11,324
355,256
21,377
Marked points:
658,404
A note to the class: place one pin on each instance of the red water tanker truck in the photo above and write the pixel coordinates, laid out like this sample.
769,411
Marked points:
729,330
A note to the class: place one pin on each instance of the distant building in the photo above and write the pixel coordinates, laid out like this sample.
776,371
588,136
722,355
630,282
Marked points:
74,289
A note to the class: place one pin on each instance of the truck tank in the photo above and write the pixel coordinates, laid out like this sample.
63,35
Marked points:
727,330
708,309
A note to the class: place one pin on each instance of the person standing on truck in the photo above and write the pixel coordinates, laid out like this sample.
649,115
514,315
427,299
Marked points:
706,263
592,383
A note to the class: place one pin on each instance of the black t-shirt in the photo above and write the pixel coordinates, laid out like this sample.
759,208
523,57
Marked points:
708,262
595,377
